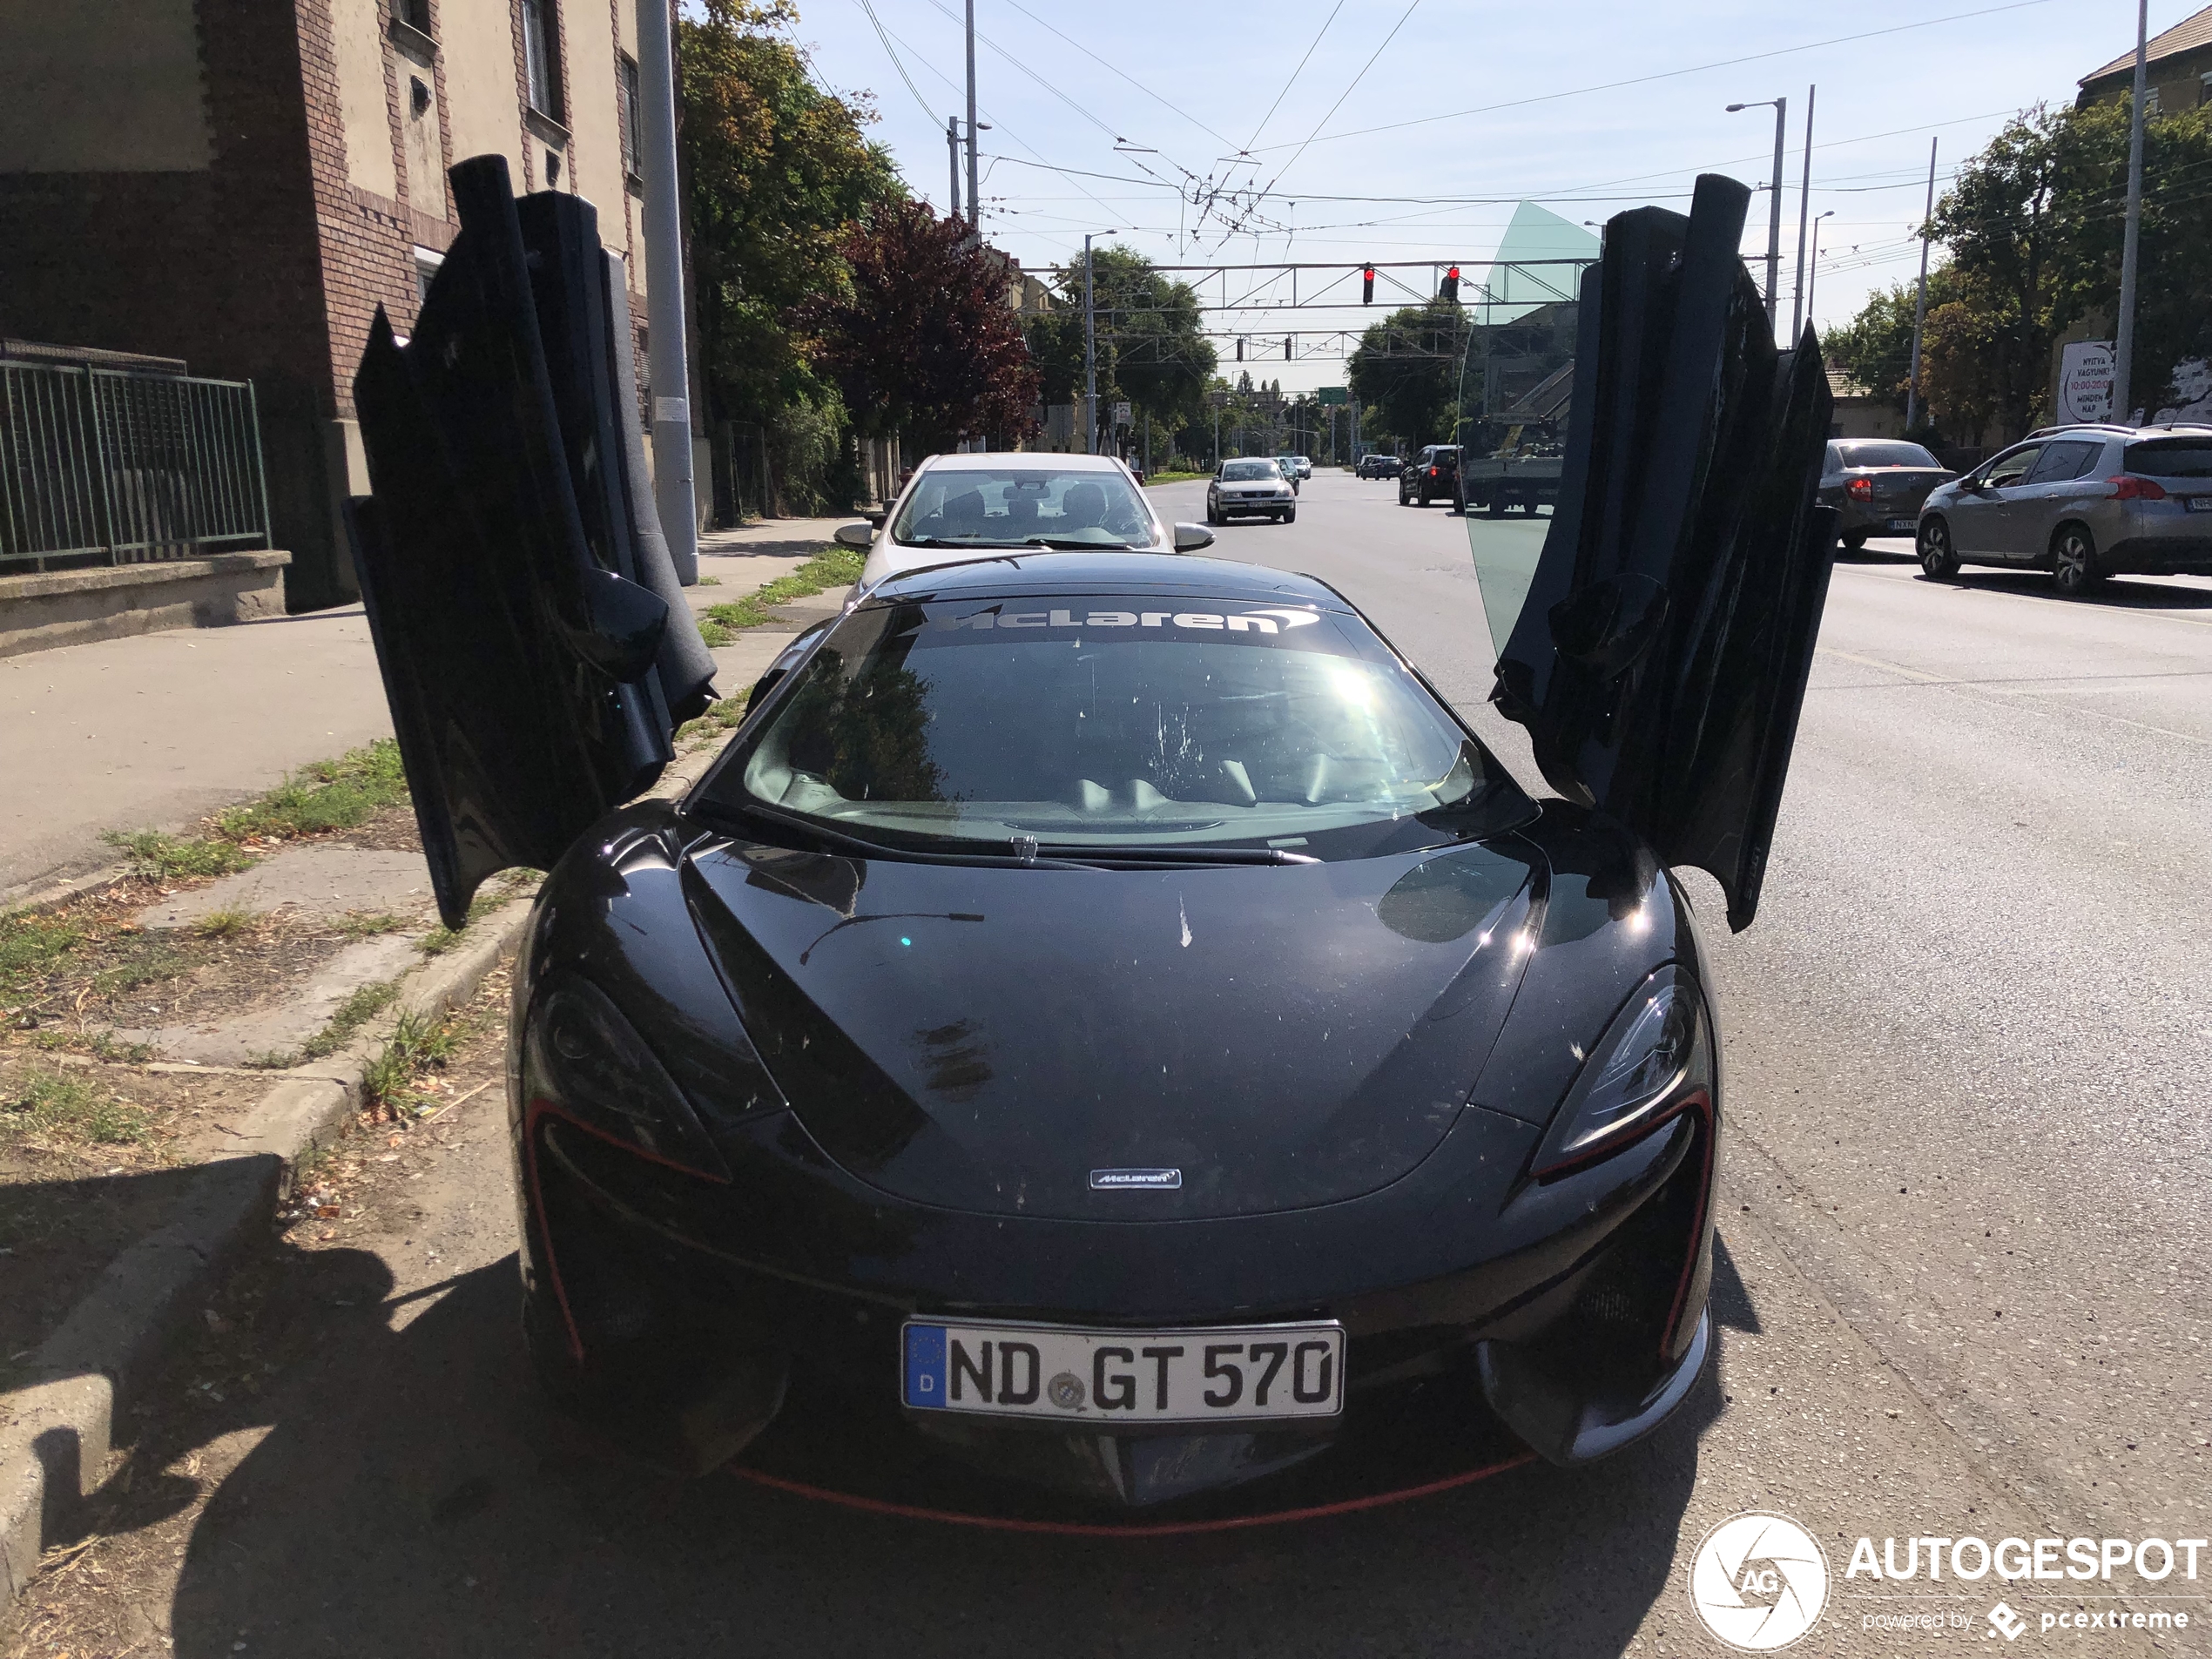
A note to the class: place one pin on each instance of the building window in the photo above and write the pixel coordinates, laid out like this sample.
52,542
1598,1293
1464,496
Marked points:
633,131
2204,89
542,50
416,14
427,261
2150,102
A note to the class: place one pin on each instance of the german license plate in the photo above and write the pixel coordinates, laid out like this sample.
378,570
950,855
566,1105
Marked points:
1197,1375
1902,524
2197,503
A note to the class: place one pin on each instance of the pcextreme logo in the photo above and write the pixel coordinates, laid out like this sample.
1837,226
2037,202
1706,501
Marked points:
1758,1581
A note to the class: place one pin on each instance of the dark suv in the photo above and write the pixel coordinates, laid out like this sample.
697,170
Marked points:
1380,464
1434,473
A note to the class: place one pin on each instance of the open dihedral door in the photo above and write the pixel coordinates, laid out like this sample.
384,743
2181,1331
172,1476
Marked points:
535,647
1657,651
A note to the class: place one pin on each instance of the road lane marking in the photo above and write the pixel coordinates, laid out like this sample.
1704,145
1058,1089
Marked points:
2012,699
2000,593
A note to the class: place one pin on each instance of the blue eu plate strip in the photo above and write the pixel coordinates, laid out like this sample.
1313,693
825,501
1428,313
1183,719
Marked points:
926,1366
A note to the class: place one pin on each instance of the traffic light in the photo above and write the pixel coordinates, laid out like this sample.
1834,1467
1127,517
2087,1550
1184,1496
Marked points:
1452,287
1286,348
1367,285
1240,349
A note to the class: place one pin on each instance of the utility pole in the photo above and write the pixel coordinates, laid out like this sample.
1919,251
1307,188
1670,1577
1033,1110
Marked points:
1801,308
975,192
1091,347
666,365
1812,274
952,147
1920,305
1774,216
2123,390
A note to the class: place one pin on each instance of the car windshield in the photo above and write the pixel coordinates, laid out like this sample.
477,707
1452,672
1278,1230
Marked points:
1250,470
2171,458
1887,455
1019,506
1116,721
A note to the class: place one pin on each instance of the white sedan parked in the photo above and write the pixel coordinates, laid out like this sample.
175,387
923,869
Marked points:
960,505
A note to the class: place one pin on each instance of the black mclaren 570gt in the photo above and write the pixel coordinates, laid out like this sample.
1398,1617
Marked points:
1103,1021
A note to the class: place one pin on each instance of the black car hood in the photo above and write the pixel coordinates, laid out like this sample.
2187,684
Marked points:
985,1039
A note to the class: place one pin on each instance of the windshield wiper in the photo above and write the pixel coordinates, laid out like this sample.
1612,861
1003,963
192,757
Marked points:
838,841
1197,853
1068,543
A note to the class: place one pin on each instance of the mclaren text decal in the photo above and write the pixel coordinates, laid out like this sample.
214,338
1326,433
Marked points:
1273,619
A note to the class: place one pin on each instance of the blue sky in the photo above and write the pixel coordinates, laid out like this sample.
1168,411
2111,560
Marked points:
1462,112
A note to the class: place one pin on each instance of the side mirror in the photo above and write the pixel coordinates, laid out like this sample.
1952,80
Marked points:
1189,538
856,535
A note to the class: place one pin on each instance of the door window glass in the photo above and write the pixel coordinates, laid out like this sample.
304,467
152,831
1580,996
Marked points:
2060,461
2010,469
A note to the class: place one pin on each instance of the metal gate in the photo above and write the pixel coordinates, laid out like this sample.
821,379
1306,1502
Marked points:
104,466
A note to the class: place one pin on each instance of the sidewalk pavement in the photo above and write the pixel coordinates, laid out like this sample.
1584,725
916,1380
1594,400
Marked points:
156,731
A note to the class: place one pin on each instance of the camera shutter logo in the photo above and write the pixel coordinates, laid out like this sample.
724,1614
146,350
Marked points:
1758,1581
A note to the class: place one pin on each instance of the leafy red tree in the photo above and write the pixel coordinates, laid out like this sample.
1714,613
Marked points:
924,342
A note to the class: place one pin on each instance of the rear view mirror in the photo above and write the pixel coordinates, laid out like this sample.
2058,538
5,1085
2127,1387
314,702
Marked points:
856,535
1189,538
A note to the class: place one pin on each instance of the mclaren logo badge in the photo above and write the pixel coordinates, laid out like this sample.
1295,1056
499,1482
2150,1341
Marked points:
1101,1179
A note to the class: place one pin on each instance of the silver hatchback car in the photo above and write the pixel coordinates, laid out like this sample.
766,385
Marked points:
2083,502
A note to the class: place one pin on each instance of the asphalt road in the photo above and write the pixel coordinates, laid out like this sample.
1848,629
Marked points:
1961,1290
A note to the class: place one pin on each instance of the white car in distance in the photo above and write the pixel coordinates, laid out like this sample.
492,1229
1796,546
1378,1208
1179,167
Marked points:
983,506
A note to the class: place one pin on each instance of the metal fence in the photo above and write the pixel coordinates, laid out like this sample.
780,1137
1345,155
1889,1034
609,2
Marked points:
102,466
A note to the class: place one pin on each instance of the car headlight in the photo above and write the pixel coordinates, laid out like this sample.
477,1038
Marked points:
1654,1060
584,1065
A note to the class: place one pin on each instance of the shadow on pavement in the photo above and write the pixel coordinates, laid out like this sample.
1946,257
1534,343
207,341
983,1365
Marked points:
413,1495
2114,593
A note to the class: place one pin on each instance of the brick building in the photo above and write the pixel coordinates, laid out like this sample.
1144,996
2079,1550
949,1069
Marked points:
240,183
2177,69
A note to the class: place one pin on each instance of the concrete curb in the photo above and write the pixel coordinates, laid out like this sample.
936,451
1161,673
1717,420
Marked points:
58,1417
57,1414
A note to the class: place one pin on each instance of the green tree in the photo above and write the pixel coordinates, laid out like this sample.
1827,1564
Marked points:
2033,229
1152,352
776,169
1405,374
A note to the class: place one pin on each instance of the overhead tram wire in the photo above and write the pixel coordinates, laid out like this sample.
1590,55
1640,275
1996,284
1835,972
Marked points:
1854,39
1295,73
1166,103
868,6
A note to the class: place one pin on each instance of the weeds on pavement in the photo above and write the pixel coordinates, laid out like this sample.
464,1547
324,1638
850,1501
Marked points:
48,1106
418,1045
438,940
321,796
719,717
141,959
226,924
354,1013
833,567
361,924
32,944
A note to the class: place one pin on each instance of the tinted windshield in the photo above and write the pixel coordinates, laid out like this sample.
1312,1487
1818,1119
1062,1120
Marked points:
1250,470
1117,721
2171,458
1887,455
1010,507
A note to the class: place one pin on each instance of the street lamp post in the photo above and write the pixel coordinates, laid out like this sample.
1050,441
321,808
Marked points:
1812,271
1801,310
2124,350
1090,349
1921,302
1774,218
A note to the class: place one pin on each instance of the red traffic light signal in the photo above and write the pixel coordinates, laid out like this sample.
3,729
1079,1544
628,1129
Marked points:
1367,285
1452,286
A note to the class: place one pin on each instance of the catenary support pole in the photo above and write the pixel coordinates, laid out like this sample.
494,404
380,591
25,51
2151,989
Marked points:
1920,303
2123,351
1090,355
1774,218
975,192
666,358
1800,312
952,146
